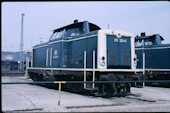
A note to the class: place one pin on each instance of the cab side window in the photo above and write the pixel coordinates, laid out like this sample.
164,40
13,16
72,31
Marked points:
72,32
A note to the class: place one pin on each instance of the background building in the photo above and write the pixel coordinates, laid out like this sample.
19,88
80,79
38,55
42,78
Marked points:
10,60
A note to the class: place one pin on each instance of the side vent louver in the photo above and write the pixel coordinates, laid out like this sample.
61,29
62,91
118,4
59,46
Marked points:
112,59
126,59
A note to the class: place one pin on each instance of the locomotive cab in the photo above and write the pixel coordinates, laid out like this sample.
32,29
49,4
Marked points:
143,40
73,30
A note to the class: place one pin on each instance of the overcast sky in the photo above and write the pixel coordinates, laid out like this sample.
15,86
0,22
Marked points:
41,18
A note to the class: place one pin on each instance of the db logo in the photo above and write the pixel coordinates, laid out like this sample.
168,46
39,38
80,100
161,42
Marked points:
55,52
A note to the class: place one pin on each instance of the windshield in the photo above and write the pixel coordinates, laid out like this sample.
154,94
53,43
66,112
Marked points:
68,33
57,35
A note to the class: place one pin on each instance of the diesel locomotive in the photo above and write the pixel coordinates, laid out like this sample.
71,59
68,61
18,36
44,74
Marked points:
157,56
82,51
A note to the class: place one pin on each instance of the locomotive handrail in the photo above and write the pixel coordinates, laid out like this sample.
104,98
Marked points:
144,68
84,69
143,63
93,68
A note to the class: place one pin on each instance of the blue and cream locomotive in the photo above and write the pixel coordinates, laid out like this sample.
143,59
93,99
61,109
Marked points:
82,51
157,56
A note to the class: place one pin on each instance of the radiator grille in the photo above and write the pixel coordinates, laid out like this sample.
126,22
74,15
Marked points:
126,59
112,59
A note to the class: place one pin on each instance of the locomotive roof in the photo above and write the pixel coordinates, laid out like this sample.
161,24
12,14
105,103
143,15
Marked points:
75,25
148,37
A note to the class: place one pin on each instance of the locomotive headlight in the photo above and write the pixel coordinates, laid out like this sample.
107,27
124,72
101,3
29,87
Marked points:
102,63
134,64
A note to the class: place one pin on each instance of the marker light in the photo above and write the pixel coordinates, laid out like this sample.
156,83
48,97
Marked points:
134,59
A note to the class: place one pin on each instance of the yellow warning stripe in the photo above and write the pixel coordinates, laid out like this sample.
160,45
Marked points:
63,82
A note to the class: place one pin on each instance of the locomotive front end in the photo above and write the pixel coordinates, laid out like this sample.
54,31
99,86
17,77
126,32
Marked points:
116,50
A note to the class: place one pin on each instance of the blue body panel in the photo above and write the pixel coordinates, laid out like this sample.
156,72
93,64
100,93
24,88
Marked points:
39,57
76,52
69,54
156,56
56,57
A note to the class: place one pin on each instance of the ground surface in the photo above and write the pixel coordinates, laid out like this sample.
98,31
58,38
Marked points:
26,97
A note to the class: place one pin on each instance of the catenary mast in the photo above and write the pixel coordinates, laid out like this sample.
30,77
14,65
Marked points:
21,46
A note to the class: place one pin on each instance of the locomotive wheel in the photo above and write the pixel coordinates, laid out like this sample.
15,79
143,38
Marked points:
34,78
72,87
121,90
121,87
106,91
80,88
114,89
